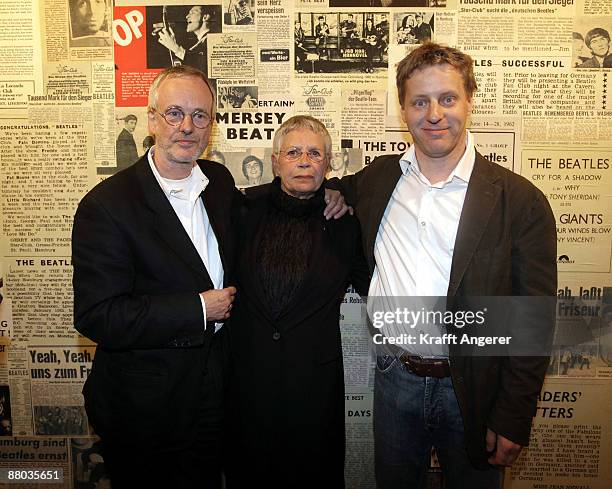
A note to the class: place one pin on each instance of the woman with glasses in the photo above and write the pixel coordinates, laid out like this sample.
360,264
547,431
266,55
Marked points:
293,268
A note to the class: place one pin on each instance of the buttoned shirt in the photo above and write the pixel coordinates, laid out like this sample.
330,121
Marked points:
184,197
415,242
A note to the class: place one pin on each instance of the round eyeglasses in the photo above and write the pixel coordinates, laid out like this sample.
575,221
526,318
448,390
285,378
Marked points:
175,117
295,154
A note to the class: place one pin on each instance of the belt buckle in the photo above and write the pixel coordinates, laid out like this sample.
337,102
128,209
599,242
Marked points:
412,362
418,366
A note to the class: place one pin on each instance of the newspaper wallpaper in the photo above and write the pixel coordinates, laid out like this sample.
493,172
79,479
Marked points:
73,96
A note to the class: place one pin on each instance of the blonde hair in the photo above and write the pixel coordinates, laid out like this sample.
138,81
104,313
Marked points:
431,54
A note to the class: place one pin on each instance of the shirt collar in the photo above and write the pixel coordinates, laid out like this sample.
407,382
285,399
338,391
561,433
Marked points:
188,188
463,170
202,35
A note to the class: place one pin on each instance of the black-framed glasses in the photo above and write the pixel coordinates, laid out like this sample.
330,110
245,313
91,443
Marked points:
175,117
295,154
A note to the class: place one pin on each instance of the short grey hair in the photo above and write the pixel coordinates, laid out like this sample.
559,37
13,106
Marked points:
302,122
180,71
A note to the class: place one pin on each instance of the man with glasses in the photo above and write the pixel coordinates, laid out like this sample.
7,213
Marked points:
152,252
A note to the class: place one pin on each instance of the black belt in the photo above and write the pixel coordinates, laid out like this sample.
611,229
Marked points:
426,367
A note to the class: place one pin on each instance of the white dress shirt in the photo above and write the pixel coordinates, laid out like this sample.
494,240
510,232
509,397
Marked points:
414,245
184,197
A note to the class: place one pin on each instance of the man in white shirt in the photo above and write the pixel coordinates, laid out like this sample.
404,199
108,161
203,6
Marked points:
152,253
440,221
153,247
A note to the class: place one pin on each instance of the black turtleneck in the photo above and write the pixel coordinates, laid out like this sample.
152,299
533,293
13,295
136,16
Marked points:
283,255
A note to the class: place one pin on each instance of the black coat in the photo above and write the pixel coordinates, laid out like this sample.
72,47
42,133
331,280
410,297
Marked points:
505,246
137,278
287,391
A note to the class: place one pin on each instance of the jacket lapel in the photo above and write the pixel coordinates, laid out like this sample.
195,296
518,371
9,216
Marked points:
166,223
215,212
478,206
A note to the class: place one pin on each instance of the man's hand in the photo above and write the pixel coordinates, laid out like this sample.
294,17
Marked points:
168,39
336,207
504,452
218,303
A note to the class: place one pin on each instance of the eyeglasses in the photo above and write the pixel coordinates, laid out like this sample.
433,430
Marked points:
295,154
175,117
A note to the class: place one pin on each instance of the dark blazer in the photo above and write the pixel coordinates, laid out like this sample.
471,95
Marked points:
505,246
137,277
287,372
196,55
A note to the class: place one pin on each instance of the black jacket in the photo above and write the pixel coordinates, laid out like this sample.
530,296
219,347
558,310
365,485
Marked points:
136,281
288,382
